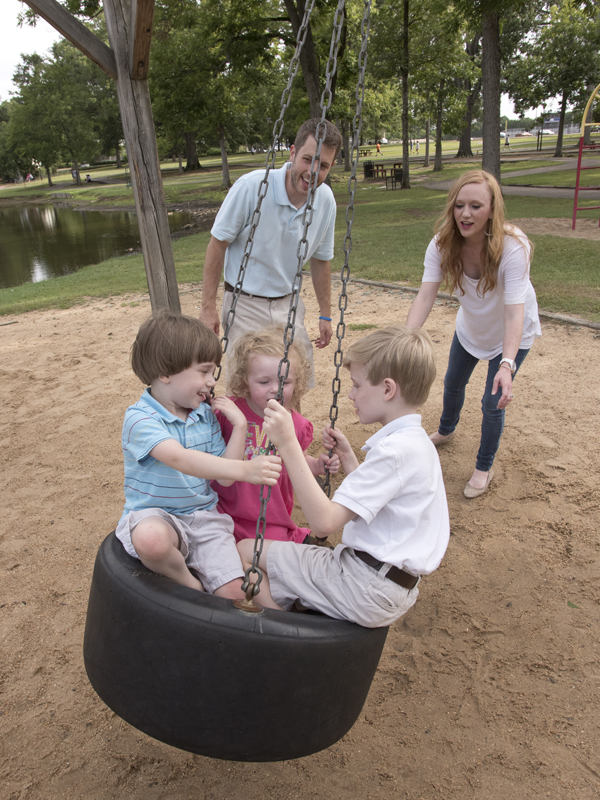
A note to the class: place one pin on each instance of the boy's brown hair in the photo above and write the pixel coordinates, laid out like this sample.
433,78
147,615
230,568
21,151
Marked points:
405,356
267,342
169,342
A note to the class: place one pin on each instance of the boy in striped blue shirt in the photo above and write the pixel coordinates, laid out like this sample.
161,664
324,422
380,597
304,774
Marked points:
173,448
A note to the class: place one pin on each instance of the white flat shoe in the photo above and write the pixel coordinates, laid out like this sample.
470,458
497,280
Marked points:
470,491
445,440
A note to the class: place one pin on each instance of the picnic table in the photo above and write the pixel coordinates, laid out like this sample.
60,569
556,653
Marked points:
364,152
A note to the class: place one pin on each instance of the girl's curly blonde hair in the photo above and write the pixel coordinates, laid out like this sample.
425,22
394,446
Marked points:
267,342
450,240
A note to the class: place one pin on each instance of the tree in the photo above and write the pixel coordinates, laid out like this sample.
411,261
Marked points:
55,108
417,44
472,87
12,164
561,61
206,61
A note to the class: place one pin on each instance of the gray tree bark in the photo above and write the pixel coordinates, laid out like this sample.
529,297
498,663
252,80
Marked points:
490,68
404,79
437,162
224,163
308,56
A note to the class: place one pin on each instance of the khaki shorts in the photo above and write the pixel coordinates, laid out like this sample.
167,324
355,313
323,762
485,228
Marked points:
337,583
205,540
255,313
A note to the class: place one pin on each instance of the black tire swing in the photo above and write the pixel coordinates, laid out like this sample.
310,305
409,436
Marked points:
196,672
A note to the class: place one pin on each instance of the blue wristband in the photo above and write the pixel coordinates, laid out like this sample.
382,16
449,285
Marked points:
327,319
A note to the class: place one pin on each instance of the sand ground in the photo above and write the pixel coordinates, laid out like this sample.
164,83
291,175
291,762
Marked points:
489,687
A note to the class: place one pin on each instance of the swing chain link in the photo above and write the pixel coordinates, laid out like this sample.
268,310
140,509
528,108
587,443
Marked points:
264,184
338,358
302,251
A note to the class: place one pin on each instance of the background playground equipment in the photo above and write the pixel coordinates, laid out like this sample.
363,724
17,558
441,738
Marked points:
580,159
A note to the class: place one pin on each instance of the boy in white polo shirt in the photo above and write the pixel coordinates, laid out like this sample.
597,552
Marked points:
393,506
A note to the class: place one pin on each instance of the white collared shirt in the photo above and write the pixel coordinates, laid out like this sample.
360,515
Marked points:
399,498
274,258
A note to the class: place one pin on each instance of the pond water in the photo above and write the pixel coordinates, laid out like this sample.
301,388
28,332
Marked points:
46,241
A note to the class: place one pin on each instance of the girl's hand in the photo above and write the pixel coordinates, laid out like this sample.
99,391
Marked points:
334,439
503,380
229,410
278,424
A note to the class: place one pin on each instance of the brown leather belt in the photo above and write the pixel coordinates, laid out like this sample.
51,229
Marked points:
399,576
229,288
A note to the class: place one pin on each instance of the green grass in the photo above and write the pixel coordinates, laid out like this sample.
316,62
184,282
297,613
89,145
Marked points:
566,178
390,233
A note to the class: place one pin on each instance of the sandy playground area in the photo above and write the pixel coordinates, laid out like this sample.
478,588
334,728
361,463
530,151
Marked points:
488,688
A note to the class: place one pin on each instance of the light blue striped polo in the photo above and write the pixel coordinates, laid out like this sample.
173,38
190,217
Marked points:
152,484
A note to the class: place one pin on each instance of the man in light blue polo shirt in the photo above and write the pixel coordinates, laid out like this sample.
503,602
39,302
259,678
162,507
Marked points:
269,276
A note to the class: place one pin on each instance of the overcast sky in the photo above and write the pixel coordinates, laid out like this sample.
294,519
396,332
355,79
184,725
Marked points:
17,40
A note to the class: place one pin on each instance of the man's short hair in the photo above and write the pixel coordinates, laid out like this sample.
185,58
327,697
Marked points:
169,342
332,138
405,356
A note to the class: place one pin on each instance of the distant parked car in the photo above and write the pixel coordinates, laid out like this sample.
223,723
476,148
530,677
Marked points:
524,133
549,133
384,140
502,134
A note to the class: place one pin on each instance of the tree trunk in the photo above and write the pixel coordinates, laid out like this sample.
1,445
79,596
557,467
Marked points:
437,162
49,176
180,159
561,125
464,144
427,134
191,154
308,56
404,79
77,175
224,164
490,69
118,155
346,147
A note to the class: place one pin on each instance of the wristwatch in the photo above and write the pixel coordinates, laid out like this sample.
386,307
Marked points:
512,365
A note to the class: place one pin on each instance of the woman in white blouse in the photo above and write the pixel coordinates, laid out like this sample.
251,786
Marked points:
485,261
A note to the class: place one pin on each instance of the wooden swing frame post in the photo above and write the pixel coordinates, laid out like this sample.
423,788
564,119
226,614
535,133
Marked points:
129,25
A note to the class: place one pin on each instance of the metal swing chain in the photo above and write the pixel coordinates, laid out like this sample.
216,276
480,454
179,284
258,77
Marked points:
352,182
264,184
252,589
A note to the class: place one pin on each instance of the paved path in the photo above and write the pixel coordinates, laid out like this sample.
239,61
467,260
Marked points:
536,191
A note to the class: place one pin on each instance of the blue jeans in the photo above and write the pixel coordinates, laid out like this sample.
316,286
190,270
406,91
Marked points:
460,368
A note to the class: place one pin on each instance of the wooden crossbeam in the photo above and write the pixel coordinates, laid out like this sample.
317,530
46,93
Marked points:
76,32
140,38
